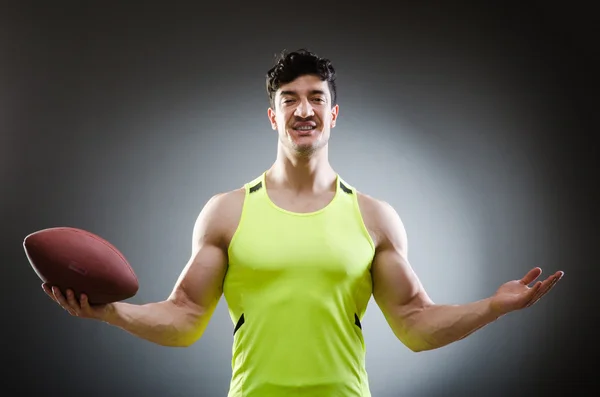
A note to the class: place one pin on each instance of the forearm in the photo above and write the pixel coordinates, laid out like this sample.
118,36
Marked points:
439,325
164,323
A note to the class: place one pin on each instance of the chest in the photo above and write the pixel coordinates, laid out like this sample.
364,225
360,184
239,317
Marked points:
315,250
300,203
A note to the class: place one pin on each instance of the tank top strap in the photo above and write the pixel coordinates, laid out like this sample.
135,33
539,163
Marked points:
345,187
256,187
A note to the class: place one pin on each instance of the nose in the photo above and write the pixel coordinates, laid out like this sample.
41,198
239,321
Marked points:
304,109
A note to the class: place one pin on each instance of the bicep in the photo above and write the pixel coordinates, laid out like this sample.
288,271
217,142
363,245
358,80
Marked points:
396,288
200,283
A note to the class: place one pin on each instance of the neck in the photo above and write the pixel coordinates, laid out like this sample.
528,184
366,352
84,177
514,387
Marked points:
302,173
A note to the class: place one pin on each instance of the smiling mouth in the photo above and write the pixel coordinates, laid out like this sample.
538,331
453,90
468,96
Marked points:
304,126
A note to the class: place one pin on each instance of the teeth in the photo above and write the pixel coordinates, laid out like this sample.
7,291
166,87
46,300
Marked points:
305,128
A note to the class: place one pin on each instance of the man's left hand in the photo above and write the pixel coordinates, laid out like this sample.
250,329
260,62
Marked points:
517,294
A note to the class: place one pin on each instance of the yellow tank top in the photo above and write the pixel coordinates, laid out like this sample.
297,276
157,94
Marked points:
297,286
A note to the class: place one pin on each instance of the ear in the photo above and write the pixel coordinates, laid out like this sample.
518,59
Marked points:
334,115
272,118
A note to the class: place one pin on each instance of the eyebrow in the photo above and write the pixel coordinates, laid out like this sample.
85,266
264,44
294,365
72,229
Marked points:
294,93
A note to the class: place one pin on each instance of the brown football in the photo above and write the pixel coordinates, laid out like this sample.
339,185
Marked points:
71,258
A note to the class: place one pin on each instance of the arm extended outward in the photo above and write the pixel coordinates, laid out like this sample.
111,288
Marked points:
181,319
414,318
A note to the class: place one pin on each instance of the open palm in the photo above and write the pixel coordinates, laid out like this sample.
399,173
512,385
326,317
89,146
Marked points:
517,294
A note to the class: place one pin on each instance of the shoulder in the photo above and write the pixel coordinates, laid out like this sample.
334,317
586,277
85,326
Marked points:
222,204
381,220
220,217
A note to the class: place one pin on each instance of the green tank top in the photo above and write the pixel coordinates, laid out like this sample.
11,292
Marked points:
297,287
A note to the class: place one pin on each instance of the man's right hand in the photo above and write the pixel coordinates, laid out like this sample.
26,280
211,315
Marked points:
79,308
179,320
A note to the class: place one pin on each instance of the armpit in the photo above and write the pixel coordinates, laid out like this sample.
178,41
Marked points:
371,214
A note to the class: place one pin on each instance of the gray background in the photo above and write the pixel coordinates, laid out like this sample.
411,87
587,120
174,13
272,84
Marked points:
475,123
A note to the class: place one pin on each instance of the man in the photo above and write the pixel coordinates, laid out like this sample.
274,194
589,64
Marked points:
297,253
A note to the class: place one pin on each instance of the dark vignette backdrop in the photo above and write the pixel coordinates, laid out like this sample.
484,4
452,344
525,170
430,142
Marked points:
476,123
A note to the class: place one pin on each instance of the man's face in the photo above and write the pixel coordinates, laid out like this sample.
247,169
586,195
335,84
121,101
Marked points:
303,115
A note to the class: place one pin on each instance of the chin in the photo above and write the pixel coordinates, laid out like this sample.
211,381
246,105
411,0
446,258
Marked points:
307,148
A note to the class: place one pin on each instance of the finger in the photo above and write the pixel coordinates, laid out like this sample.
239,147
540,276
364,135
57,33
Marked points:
58,296
73,302
531,275
559,274
534,290
48,291
551,285
534,293
546,287
62,301
526,296
85,304
539,293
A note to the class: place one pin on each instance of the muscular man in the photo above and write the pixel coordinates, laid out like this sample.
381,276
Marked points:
297,253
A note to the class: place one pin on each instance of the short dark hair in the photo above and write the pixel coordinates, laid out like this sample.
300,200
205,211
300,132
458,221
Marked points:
291,65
